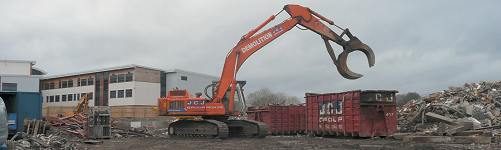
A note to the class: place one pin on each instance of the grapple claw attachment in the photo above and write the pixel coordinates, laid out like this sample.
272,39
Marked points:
354,44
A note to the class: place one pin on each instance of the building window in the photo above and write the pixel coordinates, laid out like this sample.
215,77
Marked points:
46,99
64,84
83,82
128,77
90,96
128,93
113,94
185,78
51,98
113,78
63,98
90,81
70,83
78,97
9,86
52,85
70,97
57,98
46,86
121,94
121,78
84,94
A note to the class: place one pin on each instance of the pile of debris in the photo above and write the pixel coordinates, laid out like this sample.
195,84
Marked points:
140,132
473,107
39,141
74,124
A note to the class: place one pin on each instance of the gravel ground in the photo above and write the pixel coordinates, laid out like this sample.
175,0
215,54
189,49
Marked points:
274,142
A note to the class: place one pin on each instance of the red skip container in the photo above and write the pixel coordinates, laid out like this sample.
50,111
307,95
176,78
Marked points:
281,120
361,113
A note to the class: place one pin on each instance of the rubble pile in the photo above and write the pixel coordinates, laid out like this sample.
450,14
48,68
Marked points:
472,107
73,124
40,141
139,132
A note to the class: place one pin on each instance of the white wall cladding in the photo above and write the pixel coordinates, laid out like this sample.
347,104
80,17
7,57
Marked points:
24,83
121,101
66,91
146,93
15,67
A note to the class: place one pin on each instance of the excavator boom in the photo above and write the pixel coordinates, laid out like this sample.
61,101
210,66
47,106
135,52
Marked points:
252,42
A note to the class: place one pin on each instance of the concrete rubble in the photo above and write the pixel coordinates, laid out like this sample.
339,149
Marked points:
39,141
139,132
67,133
471,110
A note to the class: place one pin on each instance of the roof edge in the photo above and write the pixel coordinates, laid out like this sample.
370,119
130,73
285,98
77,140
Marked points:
122,67
18,61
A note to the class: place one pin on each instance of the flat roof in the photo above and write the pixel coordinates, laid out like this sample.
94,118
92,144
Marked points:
120,68
18,61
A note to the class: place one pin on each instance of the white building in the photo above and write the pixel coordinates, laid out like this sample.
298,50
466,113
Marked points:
19,88
19,76
131,85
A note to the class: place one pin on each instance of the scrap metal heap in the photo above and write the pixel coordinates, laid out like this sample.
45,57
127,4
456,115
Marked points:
472,108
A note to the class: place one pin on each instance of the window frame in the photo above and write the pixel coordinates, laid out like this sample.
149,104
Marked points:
70,83
113,94
113,78
184,78
122,92
83,82
127,93
129,77
9,86
121,78
90,96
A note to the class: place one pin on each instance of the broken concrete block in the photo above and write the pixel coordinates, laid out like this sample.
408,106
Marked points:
440,118
475,123
427,139
460,128
473,132
471,139
468,108
449,139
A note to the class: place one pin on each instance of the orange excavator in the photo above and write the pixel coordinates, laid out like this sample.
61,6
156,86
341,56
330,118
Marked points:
218,115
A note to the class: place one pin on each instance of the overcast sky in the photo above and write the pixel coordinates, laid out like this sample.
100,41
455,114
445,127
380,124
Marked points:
421,46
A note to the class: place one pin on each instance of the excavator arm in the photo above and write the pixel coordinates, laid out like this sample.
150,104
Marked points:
252,42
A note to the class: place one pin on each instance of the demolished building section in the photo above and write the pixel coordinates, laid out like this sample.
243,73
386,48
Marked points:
472,108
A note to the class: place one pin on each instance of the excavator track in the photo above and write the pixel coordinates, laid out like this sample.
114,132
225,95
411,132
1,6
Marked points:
247,128
199,128
218,129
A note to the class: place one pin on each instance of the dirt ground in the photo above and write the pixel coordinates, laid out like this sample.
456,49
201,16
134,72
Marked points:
274,142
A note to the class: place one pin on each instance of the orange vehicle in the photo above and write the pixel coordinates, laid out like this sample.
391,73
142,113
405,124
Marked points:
218,115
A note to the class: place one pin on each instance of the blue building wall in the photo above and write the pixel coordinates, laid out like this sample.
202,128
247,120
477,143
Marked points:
28,106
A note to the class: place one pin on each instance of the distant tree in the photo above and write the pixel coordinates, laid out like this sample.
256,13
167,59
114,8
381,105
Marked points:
265,96
404,98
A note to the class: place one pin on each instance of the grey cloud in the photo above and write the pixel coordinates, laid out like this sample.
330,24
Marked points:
421,46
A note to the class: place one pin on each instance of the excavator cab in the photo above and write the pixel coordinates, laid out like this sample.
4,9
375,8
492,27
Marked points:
180,102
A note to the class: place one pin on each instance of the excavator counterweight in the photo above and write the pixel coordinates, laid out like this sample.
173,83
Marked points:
218,115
